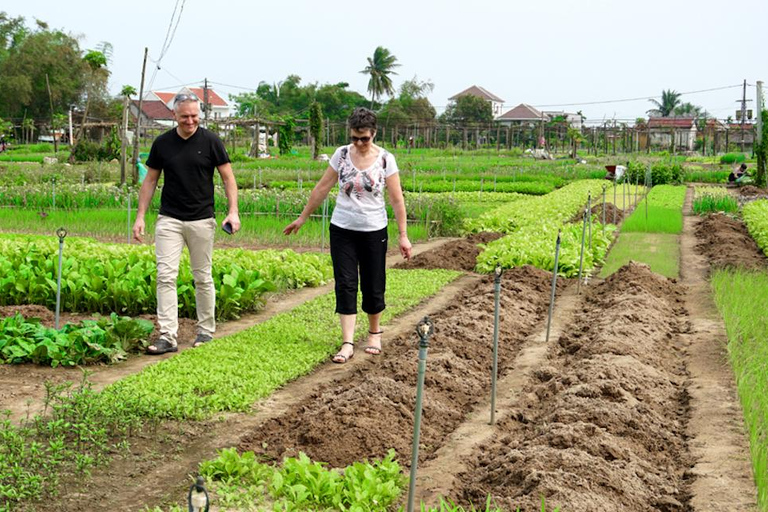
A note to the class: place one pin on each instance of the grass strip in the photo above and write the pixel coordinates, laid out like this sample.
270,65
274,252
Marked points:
660,212
660,251
742,298
231,373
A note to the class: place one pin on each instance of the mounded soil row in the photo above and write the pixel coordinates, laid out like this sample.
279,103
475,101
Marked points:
602,425
725,242
372,409
610,211
454,255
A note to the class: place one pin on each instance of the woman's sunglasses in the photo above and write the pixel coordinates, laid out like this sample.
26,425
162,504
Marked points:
359,139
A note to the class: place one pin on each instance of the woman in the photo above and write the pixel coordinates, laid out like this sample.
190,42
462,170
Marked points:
358,230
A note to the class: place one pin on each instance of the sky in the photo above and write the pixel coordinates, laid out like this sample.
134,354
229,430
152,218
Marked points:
554,54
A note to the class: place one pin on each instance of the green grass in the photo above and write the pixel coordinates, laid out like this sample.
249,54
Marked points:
660,212
742,298
660,251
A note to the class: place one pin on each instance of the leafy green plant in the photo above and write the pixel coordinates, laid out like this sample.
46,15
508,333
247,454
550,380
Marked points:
90,341
108,278
231,373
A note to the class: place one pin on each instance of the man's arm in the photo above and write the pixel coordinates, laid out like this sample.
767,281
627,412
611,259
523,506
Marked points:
146,192
230,189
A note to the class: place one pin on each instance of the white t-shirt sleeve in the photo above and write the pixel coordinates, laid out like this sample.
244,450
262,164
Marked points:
336,159
391,165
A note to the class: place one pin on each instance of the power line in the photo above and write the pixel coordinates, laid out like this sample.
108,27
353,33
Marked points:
643,98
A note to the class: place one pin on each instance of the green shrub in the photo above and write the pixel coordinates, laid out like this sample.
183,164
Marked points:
733,158
662,173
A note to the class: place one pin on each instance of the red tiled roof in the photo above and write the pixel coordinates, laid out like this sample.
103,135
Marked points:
165,96
671,122
213,98
155,110
522,112
476,90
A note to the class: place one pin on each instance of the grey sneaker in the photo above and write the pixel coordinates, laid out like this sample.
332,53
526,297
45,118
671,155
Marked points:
201,338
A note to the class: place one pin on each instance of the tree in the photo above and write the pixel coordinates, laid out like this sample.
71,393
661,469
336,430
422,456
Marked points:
12,33
29,58
379,67
28,129
762,152
96,63
286,135
411,106
664,108
315,127
688,109
468,109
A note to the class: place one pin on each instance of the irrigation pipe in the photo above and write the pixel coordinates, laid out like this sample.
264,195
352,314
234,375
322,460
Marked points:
424,329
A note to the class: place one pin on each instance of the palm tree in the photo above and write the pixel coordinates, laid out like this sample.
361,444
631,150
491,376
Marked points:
669,100
379,68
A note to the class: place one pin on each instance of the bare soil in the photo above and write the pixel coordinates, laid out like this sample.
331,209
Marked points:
371,411
610,211
752,191
725,242
454,255
601,427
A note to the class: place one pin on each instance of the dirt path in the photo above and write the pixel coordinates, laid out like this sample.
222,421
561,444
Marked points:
22,387
438,477
718,442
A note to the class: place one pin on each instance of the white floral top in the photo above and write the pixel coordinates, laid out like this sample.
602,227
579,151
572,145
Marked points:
360,203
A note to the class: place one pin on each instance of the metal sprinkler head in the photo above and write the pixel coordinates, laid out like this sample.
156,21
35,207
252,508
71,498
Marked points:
61,233
197,498
425,329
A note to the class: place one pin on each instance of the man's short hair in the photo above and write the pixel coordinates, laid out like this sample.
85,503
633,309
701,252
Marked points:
362,119
183,98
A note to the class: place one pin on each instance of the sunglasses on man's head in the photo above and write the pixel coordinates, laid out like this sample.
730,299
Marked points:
179,98
359,139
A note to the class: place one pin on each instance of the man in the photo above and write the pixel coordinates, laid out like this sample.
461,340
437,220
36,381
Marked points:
188,155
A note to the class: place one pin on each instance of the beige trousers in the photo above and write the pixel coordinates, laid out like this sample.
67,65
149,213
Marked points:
170,237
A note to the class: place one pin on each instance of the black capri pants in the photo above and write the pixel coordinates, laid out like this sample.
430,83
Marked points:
364,252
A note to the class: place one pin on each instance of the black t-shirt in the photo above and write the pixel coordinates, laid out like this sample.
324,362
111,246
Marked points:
188,166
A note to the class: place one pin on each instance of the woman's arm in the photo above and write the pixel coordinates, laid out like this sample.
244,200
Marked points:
398,206
316,197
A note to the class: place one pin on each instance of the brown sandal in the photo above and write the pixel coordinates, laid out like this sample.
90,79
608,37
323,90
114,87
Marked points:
370,349
340,358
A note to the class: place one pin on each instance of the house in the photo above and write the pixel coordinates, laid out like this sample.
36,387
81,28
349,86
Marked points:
522,115
573,120
153,112
662,129
742,138
219,107
496,103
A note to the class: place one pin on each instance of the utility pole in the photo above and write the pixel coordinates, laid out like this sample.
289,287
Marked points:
53,122
759,111
137,135
205,102
743,112
124,138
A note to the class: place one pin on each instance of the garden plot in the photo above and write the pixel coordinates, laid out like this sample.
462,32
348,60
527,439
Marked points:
371,411
602,424
725,242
